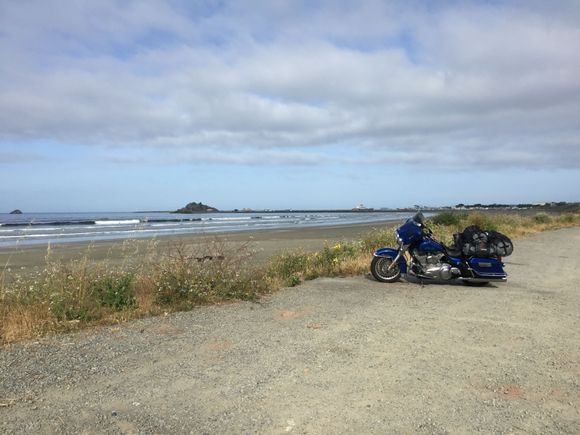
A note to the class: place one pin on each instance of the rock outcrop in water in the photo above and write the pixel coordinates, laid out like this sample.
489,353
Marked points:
16,212
196,207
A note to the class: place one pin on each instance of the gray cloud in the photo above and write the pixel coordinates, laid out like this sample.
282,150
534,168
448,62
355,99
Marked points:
7,157
489,85
219,156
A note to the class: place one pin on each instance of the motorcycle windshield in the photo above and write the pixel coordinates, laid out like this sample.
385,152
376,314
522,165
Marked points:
409,232
419,218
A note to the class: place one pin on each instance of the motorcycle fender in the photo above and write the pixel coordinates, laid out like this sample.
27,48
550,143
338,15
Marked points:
392,253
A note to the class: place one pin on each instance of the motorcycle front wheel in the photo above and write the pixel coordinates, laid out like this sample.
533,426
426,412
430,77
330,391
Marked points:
381,272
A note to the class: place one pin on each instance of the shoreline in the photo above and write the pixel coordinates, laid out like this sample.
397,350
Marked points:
266,243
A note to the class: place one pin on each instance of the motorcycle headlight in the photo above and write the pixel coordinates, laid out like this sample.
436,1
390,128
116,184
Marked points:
399,240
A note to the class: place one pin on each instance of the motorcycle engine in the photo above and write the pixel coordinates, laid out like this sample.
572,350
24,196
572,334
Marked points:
431,264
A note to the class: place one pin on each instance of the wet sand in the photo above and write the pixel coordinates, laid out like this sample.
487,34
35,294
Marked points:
265,244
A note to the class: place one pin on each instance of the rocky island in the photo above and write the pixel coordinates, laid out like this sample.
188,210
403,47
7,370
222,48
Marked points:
196,207
16,212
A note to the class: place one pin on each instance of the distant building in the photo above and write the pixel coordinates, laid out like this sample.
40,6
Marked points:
361,207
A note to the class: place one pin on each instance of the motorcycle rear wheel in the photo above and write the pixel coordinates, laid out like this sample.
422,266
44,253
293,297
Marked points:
381,272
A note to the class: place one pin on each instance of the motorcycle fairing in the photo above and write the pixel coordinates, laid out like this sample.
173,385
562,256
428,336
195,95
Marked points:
392,253
409,232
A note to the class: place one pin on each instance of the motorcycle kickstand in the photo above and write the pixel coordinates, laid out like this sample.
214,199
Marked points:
420,278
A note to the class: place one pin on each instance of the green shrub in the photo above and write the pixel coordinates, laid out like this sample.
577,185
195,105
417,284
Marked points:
74,298
288,268
378,238
184,278
68,312
292,281
180,282
114,291
326,262
69,289
64,306
449,218
291,269
542,218
483,221
568,218
331,255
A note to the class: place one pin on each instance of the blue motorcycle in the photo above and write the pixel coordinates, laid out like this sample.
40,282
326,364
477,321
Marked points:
474,260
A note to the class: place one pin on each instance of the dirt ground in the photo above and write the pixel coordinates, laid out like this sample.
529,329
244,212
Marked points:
330,356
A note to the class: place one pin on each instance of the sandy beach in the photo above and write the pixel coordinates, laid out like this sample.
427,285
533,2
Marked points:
265,243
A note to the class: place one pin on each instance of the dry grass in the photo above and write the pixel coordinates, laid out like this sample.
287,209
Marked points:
67,296
22,321
513,225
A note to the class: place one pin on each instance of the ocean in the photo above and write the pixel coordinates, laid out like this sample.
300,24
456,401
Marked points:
43,228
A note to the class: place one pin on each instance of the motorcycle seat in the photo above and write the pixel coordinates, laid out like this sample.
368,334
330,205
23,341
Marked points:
453,251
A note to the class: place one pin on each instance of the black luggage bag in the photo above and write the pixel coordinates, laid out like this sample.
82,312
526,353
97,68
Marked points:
474,242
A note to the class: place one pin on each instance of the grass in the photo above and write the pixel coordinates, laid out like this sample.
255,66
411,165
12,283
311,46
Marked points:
81,293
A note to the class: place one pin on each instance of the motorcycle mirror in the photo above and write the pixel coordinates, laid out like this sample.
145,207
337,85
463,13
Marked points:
419,218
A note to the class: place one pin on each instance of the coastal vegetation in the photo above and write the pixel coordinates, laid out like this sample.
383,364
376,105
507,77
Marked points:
66,296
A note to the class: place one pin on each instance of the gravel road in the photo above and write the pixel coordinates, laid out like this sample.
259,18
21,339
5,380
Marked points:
331,356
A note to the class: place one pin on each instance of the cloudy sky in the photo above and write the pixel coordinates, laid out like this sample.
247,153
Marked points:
110,105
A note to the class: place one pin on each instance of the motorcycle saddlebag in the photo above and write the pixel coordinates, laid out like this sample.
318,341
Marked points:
487,268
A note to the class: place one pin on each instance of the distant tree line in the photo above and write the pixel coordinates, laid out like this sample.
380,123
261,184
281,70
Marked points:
495,205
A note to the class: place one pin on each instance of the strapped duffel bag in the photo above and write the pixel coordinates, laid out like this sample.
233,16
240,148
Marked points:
475,242
499,244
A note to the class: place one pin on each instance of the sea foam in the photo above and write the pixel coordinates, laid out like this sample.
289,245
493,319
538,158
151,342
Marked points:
123,222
